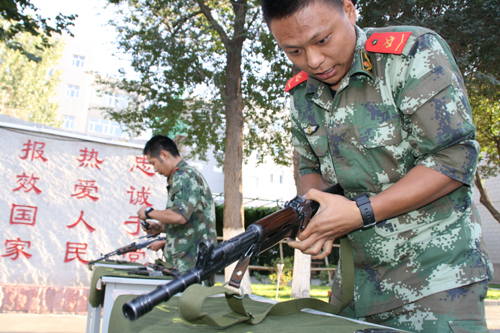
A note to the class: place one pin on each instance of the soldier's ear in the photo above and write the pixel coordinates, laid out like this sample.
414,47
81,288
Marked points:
165,154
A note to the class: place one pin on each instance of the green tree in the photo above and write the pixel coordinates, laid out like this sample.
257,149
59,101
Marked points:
18,19
27,87
472,29
213,66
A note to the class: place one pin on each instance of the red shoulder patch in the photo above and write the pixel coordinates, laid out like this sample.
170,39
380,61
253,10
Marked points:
296,80
387,42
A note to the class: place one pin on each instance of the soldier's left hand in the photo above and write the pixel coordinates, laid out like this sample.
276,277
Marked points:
141,213
155,246
336,217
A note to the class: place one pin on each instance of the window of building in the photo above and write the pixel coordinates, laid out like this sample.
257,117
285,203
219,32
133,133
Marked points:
271,178
281,179
116,100
105,127
78,60
69,122
72,91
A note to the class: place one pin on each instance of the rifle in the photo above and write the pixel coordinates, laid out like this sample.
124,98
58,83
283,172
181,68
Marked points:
131,247
258,237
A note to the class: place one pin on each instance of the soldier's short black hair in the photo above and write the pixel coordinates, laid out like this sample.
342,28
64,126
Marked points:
280,9
158,143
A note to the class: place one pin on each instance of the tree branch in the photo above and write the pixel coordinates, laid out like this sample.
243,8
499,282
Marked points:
207,12
485,199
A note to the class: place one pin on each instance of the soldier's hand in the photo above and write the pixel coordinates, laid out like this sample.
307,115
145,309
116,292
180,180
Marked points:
336,217
154,229
158,245
141,213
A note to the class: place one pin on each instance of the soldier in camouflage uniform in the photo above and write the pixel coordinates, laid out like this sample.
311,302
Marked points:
190,214
384,113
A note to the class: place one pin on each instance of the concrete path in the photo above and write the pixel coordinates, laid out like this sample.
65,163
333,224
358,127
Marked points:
33,323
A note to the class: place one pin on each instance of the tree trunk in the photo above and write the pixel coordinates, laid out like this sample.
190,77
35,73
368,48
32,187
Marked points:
301,283
485,198
233,162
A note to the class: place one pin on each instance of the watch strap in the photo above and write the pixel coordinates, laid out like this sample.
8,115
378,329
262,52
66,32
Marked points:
147,211
365,207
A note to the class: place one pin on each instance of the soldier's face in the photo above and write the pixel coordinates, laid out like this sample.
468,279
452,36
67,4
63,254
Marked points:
160,164
319,39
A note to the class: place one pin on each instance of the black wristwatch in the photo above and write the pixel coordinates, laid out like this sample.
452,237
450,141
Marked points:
365,207
147,211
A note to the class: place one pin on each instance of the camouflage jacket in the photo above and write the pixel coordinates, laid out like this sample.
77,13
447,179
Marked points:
391,113
190,196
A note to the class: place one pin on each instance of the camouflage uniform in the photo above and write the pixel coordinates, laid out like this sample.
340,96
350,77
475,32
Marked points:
391,113
190,196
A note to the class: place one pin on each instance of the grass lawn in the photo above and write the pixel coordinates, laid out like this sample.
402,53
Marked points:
321,292
493,292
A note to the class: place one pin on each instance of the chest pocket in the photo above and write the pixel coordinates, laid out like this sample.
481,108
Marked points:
379,126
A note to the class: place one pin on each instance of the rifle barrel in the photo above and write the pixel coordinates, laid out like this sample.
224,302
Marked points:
222,256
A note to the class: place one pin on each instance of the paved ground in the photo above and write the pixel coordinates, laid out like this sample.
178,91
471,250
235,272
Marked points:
35,323
32,323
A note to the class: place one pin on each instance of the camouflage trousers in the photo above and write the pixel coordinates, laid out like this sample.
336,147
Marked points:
455,310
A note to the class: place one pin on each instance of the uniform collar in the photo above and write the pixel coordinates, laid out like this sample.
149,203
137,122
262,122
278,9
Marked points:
362,65
177,167
362,62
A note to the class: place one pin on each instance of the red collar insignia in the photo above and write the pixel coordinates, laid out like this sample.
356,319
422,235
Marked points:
296,80
170,177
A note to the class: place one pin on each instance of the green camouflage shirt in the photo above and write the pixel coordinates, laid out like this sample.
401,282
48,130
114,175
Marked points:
391,113
190,196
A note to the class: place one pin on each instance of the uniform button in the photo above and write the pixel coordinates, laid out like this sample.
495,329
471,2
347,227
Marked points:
375,41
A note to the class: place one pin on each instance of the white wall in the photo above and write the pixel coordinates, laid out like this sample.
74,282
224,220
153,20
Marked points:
60,180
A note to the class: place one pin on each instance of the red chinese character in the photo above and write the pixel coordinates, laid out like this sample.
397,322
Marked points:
139,197
35,150
16,247
86,188
75,249
80,219
142,164
23,215
27,183
89,158
134,256
135,221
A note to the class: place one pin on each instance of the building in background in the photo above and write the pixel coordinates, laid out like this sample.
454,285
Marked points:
78,96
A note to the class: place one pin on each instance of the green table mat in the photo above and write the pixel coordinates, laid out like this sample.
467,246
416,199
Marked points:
96,297
166,318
